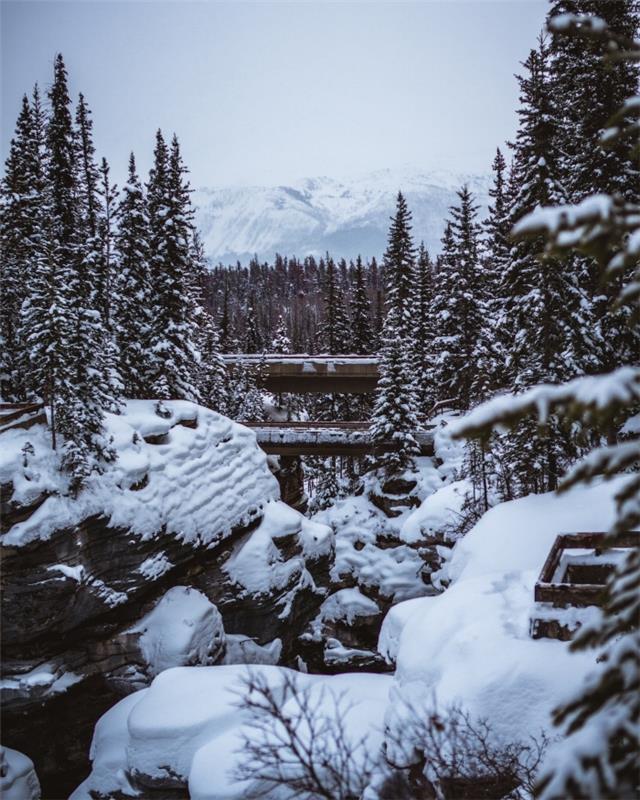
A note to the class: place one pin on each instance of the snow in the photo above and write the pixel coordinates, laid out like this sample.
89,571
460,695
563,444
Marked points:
183,628
258,565
437,513
155,566
310,215
18,779
201,481
109,752
188,726
471,644
348,605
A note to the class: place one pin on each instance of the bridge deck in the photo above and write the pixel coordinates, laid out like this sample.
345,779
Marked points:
326,438
301,373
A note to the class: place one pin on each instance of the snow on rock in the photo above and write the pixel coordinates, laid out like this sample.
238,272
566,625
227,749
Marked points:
197,474
184,628
240,649
18,779
471,644
437,514
348,605
108,753
187,728
259,565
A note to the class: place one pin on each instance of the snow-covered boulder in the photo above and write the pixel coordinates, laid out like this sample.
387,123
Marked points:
18,779
187,729
184,628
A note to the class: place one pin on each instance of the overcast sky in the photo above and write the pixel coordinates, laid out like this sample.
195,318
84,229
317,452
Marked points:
263,93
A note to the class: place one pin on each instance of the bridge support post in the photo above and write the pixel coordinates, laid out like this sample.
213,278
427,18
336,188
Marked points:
290,476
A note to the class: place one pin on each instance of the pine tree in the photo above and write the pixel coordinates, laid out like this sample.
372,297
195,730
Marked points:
334,333
394,419
361,331
459,305
544,318
134,316
423,333
84,392
281,342
19,208
174,334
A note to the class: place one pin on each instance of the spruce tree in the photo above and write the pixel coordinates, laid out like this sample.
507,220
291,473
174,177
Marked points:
361,330
423,333
544,318
394,419
281,342
597,754
134,309
19,209
492,346
214,379
459,306
589,92
174,334
83,389
334,333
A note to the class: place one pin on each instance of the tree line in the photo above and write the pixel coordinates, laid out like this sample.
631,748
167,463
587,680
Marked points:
504,315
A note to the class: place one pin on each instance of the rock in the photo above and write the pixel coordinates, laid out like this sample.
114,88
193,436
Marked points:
81,624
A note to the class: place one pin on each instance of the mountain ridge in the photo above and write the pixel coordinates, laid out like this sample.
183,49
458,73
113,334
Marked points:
345,217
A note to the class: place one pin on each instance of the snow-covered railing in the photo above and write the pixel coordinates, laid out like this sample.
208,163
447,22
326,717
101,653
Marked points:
325,438
573,579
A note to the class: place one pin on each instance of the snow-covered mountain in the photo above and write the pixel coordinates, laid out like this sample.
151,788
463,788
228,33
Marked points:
314,215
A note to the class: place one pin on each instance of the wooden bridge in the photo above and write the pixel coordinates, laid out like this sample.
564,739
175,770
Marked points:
326,439
298,374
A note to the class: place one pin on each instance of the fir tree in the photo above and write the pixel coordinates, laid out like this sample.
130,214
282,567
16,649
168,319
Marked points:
394,419
134,317
598,756
589,91
81,389
361,331
490,354
174,334
213,383
423,333
459,305
253,340
334,333
19,209
281,342
543,318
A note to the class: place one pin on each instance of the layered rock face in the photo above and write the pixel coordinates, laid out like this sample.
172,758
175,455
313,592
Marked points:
178,554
